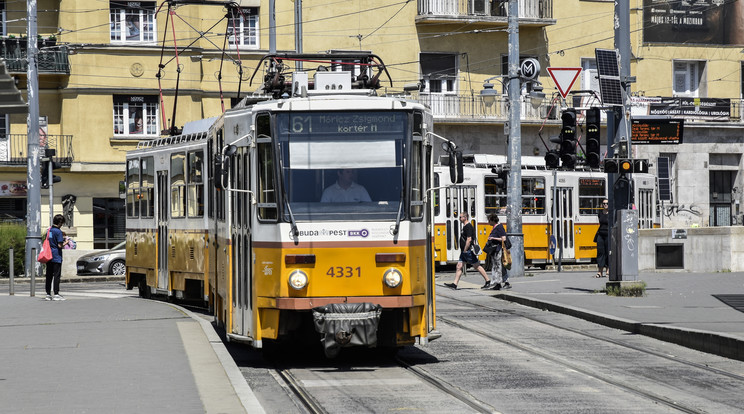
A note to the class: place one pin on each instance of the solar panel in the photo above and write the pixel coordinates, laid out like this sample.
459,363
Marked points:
608,69
665,188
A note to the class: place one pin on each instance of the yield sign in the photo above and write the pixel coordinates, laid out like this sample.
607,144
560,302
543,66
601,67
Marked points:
564,78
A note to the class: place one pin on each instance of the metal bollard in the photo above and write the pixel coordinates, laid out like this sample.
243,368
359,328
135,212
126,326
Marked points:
11,288
33,274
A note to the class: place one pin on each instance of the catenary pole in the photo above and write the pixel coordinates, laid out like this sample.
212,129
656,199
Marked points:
514,196
33,173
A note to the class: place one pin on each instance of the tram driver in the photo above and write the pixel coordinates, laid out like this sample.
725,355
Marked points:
345,190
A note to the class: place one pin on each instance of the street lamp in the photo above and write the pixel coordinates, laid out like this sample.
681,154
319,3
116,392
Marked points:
489,94
514,192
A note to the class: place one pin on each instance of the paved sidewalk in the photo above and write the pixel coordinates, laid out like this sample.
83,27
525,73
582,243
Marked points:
124,355
689,309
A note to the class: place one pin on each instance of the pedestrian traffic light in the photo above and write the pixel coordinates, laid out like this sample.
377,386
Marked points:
568,139
592,137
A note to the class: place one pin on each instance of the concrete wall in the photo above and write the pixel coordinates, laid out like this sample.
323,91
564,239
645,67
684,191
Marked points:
706,249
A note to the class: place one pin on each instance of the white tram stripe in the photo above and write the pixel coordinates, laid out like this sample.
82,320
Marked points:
382,382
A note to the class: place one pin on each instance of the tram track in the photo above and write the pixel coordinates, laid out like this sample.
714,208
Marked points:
604,339
624,382
575,367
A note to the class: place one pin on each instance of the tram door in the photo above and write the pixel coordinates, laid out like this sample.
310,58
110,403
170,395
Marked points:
163,230
240,234
458,198
564,215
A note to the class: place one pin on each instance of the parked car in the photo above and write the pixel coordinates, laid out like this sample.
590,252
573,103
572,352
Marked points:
108,262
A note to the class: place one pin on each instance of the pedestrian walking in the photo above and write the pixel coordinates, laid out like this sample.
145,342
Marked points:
497,235
54,266
467,255
602,238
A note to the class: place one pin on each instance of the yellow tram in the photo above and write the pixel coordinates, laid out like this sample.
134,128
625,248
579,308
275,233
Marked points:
251,212
566,200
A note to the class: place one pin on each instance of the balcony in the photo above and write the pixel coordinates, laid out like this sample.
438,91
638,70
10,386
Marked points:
14,149
531,12
51,59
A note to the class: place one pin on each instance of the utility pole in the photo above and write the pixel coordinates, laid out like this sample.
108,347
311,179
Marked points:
514,196
272,27
298,32
33,174
623,256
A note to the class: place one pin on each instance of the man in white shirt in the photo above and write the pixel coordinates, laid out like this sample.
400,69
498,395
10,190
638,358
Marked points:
345,190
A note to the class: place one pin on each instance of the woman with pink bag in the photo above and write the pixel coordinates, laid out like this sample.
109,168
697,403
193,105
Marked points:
54,266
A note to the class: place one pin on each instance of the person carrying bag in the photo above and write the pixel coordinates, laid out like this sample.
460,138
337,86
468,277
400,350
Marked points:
506,259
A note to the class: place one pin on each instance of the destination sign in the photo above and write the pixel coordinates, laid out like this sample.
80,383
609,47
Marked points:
345,123
591,182
657,131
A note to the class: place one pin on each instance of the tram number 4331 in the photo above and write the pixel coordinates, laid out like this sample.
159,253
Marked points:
348,271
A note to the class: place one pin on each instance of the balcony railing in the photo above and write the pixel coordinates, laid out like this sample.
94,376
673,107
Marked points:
14,148
528,9
52,58
470,107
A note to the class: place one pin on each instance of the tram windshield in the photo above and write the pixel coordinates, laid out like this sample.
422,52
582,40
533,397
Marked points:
343,165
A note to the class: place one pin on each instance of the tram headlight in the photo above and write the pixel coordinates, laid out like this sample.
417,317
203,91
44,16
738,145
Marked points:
298,279
392,278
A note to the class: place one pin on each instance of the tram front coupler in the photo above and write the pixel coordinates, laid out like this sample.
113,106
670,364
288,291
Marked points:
347,324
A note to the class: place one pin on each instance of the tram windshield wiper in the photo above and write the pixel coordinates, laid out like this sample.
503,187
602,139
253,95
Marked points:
397,219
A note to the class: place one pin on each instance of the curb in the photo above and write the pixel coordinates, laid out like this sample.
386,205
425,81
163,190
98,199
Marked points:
705,341
74,279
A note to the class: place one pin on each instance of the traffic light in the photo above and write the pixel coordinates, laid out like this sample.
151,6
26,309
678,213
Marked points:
568,138
625,166
46,163
500,181
552,159
592,137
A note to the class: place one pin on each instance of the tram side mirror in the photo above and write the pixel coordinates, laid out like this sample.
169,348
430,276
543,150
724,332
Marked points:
222,166
455,167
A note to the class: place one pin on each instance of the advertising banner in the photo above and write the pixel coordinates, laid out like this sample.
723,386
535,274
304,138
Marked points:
705,109
12,188
707,22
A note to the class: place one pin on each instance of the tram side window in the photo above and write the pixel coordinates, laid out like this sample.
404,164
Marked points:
591,193
178,185
195,202
533,196
495,196
133,184
267,207
436,194
147,188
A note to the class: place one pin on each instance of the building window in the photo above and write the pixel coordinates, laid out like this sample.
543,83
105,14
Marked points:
3,28
439,72
132,21
109,222
135,115
688,78
242,29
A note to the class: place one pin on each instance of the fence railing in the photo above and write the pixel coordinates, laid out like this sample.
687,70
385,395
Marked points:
14,148
530,9
52,58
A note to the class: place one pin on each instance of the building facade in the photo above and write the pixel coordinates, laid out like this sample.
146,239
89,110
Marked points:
109,73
